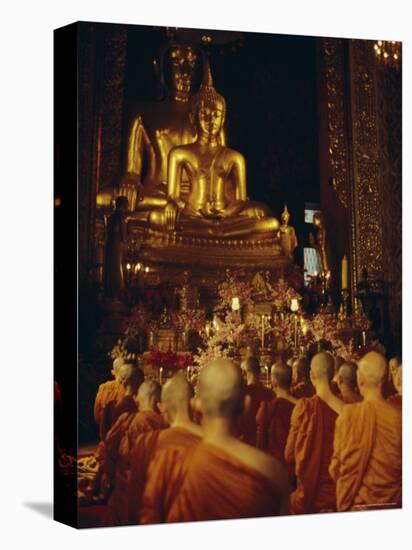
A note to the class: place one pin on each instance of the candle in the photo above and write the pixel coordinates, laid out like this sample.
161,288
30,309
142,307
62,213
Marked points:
160,374
263,331
235,304
294,304
344,273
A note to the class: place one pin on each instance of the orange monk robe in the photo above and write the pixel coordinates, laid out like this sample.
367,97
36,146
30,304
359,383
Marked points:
351,398
255,395
139,423
113,410
396,400
309,448
302,389
153,484
109,391
214,485
273,424
108,451
367,456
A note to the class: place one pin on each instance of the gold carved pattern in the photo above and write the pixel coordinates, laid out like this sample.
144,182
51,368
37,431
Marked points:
390,134
337,130
368,201
109,131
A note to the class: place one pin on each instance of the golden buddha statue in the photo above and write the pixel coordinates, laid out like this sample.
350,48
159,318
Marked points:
157,127
288,238
217,204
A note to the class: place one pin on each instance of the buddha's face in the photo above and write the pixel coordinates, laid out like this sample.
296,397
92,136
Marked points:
183,62
211,117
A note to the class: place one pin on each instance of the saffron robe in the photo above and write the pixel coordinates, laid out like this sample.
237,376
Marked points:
119,469
273,424
367,456
216,485
153,484
255,395
302,389
112,410
351,398
109,391
395,400
309,449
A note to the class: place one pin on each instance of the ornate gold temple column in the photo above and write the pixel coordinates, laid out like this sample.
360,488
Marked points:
101,73
362,107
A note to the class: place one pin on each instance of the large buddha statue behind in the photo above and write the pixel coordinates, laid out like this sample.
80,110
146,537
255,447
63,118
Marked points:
217,204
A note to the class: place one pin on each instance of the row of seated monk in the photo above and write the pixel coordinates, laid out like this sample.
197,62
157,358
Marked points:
325,437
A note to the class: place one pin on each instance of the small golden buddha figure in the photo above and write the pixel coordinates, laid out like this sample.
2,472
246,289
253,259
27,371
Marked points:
320,241
288,239
217,202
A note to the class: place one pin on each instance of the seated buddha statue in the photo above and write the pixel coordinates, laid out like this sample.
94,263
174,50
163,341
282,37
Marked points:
156,127
217,204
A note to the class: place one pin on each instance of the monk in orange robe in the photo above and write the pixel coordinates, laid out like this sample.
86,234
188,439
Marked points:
119,445
109,391
131,377
156,453
310,443
222,477
347,383
301,383
256,394
106,452
396,399
367,455
273,419
389,385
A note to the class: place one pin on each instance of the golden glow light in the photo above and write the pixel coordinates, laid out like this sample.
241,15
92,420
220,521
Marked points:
388,52
294,305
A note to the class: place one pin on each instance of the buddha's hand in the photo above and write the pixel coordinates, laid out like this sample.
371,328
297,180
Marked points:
233,209
170,213
131,188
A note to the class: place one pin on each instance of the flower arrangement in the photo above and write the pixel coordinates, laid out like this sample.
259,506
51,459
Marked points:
190,319
283,294
233,288
120,350
361,321
170,359
137,322
211,351
284,329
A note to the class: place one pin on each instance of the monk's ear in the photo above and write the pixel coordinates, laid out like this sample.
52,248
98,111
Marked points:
195,404
247,401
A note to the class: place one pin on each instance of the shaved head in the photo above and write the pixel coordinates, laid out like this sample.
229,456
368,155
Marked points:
397,381
322,367
281,375
177,392
131,376
347,375
251,364
395,362
372,369
117,363
221,389
339,361
301,368
149,392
